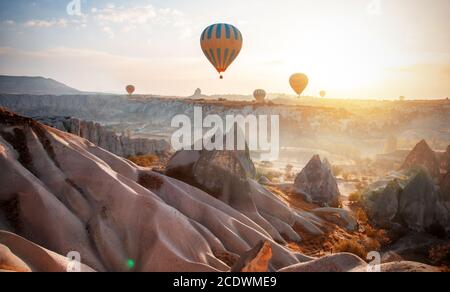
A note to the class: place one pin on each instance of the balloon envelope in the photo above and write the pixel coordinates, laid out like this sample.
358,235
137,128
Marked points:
221,43
299,82
323,93
259,95
130,89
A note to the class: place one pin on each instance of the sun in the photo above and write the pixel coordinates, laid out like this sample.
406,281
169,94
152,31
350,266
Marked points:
339,59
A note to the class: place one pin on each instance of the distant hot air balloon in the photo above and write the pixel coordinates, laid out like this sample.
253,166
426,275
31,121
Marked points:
299,82
221,43
259,95
323,93
130,89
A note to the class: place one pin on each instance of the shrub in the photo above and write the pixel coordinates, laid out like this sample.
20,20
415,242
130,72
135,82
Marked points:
361,216
337,170
144,160
440,255
372,232
354,197
350,246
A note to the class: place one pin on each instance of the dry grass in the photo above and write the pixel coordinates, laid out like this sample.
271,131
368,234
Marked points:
440,255
359,245
351,246
378,234
361,216
354,197
149,160
336,239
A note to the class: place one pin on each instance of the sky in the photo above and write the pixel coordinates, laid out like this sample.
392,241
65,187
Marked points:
365,49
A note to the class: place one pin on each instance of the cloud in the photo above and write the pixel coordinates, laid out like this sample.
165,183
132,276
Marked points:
113,20
127,19
146,14
6,51
43,23
121,15
9,22
108,30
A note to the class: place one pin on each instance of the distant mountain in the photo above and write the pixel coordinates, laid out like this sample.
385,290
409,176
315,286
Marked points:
34,85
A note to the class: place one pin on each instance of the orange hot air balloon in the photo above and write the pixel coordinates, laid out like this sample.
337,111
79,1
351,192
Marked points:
130,89
259,95
323,93
299,82
221,43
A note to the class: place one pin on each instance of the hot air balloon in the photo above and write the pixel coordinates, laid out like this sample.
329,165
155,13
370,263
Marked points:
323,93
259,95
130,89
221,43
299,82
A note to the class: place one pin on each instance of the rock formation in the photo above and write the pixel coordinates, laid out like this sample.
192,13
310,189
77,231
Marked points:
382,204
445,187
403,266
445,161
422,155
20,255
229,177
340,217
65,194
61,194
344,262
317,183
418,205
255,260
94,132
350,263
264,180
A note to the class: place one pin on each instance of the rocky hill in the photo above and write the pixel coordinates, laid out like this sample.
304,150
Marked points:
422,155
34,85
121,145
60,193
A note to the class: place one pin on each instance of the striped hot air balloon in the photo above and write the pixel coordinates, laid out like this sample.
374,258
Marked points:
221,43
259,95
